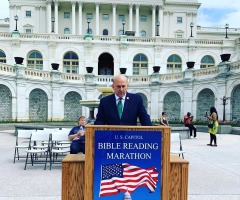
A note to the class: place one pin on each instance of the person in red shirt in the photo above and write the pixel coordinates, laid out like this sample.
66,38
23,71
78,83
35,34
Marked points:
188,123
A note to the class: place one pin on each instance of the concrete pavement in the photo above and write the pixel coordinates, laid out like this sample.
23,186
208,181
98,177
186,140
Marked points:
214,172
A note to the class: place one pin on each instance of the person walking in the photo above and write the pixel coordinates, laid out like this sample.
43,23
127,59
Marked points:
188,123
122,108
213,126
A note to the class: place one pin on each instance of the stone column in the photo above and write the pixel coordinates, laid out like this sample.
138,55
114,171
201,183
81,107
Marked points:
222,91
188,95
130,17
153,21
22,108
154,103
56,16
97,18
160,19
80,17
57,105
49,18
137,20
73,17
114,19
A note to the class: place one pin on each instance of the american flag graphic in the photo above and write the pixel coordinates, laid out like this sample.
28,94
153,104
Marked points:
123,177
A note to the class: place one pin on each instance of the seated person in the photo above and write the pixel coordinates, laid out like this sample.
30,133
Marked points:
163,119
188,123
77,136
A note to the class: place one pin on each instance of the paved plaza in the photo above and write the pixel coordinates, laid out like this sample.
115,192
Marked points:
214,172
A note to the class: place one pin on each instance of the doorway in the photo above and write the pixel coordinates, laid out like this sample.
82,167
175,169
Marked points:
105,64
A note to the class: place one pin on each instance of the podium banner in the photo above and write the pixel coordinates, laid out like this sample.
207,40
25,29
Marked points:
127,165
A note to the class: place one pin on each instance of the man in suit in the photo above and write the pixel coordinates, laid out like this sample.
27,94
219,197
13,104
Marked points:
131,106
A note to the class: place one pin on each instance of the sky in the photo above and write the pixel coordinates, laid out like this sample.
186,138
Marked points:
212,13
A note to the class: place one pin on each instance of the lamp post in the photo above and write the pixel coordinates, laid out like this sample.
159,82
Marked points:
226,27
53,20
191,25
158,24
16,19
88,21
123,23
224,99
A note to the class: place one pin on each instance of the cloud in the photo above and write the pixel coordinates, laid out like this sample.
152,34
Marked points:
215,13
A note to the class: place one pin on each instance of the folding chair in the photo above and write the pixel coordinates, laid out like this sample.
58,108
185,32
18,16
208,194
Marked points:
38,153
60,146
51,129
177,144
22,142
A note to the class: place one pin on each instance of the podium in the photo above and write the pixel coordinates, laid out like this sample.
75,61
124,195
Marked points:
89,155
78,170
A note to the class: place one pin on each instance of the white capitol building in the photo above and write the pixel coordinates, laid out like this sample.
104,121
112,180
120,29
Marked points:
108,35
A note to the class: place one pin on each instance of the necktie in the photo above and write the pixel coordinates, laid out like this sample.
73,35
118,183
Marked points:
120,106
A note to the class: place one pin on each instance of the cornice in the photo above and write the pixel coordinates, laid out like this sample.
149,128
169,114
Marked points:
182,4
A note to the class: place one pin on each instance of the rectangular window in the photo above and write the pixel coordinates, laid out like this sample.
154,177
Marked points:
66,15
179,20
143,18
89,16
121,17
105,16
179,36
28,13
28,30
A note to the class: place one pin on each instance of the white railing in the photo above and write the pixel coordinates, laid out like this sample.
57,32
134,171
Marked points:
5,68
207,42
139,78
37,74
234,66
104,79
107,79
206,71
72,77
172,77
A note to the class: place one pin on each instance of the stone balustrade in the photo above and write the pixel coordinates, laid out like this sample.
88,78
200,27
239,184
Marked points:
15,70
129,39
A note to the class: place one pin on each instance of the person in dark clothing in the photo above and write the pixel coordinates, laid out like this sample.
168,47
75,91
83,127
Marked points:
77,136
188,123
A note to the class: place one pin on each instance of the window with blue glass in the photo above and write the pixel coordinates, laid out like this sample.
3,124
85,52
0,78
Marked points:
140,64
28,13
35,60
174,64
71,63
66,15
207,61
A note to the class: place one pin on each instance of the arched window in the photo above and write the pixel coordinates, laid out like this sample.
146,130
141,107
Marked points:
140,64
207,61
66,31
70,63
35,60
2,56
174,64
143,33
105,32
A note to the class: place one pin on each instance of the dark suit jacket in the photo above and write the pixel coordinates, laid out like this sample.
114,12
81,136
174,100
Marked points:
133,109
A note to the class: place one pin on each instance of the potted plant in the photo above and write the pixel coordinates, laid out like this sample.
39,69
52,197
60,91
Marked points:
156,69
225,57
89,69
123,70
18,60
190,64
55,66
